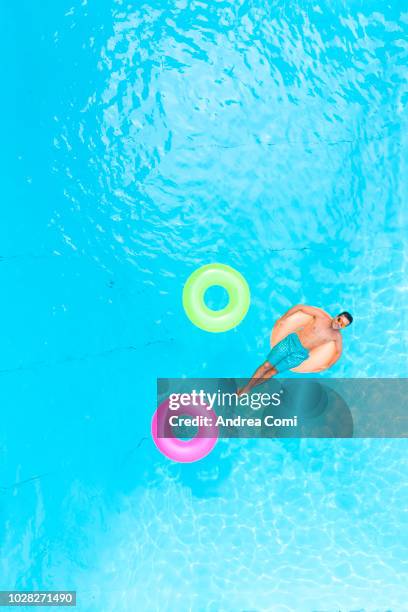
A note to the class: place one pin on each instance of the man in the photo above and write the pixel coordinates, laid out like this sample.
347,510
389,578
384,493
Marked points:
295,348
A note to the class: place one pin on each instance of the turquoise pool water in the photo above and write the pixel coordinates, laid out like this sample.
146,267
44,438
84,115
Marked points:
142,140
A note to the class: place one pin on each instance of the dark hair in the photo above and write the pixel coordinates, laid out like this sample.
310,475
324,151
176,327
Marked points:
347,315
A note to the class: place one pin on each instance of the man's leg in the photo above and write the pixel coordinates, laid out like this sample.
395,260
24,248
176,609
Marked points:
265,371
281,355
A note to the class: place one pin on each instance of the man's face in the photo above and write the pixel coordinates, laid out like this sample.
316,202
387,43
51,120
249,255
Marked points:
340,321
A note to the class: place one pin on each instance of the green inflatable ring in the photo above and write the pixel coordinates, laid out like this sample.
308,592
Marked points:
216,320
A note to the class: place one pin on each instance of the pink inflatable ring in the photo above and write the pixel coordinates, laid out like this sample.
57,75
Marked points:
184,451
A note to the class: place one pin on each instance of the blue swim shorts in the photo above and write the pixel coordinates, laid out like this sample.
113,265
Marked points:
288,353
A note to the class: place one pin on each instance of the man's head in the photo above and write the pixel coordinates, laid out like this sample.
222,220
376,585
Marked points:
342,320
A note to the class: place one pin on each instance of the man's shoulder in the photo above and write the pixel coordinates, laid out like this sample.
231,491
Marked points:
321,313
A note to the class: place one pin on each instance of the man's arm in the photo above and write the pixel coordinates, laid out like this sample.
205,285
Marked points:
310,310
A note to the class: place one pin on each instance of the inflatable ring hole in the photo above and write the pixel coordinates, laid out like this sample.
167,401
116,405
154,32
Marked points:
216,297
184,432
